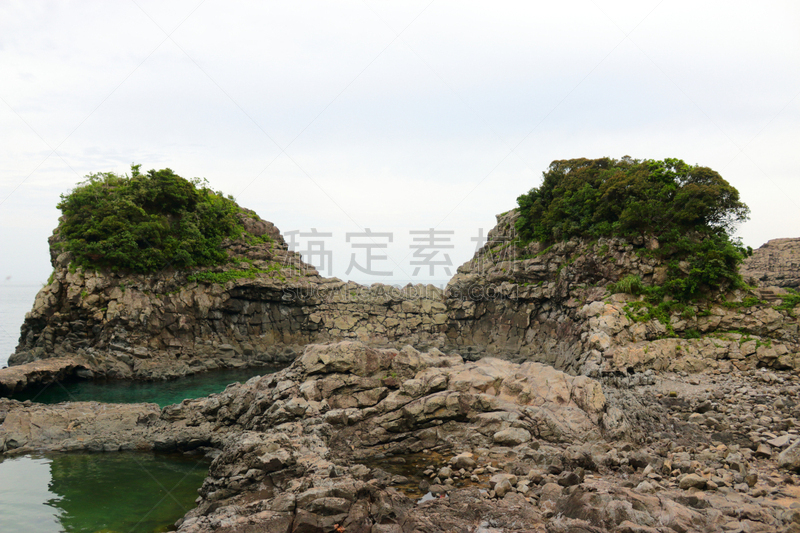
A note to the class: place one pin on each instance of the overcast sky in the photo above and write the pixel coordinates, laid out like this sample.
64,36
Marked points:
393,116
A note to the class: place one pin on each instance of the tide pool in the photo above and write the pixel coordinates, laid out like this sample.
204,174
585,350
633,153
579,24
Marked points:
94,493
160,392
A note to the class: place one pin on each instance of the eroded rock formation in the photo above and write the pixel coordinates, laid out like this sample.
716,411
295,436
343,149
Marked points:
553,305
523,303
506,447
262,307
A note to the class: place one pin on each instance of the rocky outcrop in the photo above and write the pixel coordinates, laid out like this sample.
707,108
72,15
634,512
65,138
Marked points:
331,444
722,338
305,429
380,399
76,426
36,373
318,445
774,264
261,307
553,305
523,303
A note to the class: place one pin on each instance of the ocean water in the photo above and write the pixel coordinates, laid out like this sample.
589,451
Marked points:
15,301
93,493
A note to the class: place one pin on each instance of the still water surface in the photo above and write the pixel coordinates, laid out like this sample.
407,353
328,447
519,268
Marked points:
160,392
93,493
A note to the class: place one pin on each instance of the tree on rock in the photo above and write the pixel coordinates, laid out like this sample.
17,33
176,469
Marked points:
691,210
146,222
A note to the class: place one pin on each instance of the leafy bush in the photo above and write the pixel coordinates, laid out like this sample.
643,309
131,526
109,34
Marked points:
711,262
691,334
690,209
146,222
629,284
789,301
601,197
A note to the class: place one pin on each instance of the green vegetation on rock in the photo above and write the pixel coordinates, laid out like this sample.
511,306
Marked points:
789,301
146,222
230,275
690,210
603,197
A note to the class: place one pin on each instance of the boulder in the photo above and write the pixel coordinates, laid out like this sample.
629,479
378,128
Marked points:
511,436
790,457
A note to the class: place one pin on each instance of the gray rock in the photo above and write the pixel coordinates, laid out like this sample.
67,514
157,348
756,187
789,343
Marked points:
568,479
497,478
463,460
502,487
511,436
763,451
445,472
780,442
790,457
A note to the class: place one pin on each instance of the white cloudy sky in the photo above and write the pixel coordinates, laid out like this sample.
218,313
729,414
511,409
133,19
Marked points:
394,116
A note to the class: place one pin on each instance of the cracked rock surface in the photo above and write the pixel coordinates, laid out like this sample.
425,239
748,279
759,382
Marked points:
349,437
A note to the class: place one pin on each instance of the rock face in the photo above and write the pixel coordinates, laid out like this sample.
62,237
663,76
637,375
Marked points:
509,447
262,307
76,426
519,303
775,264
552,305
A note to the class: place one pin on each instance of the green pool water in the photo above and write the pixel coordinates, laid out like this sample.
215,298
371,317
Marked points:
93,493
160,392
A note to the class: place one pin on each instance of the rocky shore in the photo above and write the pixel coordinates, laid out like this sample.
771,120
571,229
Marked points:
328,443
38,373
526,396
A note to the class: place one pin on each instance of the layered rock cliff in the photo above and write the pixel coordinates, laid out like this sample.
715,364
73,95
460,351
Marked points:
524,303
774,264
554,305
260,307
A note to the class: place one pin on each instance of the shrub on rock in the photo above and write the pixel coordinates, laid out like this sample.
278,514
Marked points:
146,222
690,211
